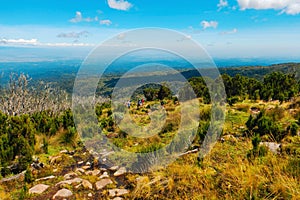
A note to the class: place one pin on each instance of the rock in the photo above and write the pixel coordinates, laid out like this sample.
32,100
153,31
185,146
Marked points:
118,198
78,186
120,172
64,151
96,172
80,171
102,183
70,182
86,167
104,175
46,178
38,189
70,175
114,168
80,163
103,169
87,185
272,146
18,178
88,163
117,192
90,195
63,193
55,170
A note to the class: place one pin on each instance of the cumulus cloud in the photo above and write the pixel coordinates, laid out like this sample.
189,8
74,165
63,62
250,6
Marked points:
106,22
222,4
290,7
209,24
233,31
79,18
19,41
35,42
119,4
73,34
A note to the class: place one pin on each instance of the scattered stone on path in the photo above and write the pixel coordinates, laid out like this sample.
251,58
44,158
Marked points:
87,185
118,198
80,171
70,175
64,151
38,189
102,183
63,193
46,178
70,182
86,167
114,168
120,172
104,175
117,192
96,172
80,163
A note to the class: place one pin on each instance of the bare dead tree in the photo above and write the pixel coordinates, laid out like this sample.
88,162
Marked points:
18,98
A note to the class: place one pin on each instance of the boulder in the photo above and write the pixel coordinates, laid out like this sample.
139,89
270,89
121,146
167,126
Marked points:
104,175
70,175
87,185
63,193
272,146
120,172
38,189
117,192
70,182
102,183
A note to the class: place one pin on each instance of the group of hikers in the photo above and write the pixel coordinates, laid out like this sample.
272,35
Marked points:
140,102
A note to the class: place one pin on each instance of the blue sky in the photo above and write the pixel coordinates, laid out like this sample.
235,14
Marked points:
225,28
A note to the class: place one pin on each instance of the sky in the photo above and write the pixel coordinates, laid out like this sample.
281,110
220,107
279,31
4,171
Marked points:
225,28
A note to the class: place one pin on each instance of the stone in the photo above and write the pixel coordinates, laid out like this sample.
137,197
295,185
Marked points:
64,151
86,167
118,198
80,163
120,172
80,171
96,172
70,182
88,163
102,183
90,195
104,175
117,192
78,186
38,189
46,178
272,146
70,175
63,193
87,185
114,168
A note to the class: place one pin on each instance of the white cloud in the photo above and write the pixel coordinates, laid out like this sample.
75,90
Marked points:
73,34
233,31
222,4
19,42
119,4
209,24
35,42
78,18
290,7
106,22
